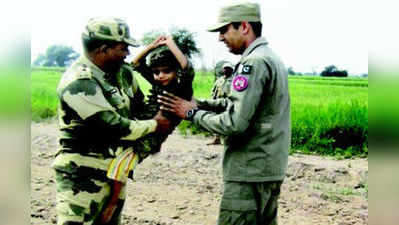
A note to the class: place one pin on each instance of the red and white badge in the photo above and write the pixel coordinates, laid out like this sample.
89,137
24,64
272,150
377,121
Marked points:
240,83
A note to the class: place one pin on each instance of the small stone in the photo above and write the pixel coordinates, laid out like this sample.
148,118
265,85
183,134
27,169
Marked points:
341,170
182,207
318,169
359,185
151,200
175,217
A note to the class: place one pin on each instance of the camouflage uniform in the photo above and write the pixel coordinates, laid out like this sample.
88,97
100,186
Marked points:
256,120
96,124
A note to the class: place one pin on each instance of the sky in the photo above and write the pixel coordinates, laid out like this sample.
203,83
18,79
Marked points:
308,35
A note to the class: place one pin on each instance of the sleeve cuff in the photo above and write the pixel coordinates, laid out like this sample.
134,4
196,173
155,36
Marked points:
140,128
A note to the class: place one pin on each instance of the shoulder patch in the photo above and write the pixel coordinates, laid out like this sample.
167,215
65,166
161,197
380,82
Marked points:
84,72
246,69
240,83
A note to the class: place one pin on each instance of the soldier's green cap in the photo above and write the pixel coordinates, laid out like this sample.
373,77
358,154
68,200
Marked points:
112,29
249,12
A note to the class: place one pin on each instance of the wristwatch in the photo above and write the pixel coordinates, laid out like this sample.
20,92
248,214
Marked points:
190,113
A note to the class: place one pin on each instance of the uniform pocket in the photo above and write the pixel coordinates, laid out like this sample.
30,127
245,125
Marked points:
238,196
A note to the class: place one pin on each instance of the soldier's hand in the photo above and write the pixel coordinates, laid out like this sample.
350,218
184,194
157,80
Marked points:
176,105
163,124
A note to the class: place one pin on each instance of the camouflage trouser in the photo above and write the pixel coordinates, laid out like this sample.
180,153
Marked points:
249,203
81,198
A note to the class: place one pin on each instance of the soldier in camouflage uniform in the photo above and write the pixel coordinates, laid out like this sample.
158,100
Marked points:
255,117
221,88
99,99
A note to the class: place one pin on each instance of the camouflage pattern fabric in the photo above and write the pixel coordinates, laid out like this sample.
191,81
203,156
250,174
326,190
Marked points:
111,29
150,144
82,193
96,119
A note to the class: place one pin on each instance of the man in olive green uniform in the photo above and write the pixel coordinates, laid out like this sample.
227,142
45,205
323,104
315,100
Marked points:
255,118
98,97
221,88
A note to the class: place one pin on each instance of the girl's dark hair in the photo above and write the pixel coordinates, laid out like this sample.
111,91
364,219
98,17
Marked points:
162,57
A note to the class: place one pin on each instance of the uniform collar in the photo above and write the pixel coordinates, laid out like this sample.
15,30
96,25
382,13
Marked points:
257,42
94,69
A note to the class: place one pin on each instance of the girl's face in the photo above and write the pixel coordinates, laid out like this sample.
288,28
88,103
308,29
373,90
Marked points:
164,74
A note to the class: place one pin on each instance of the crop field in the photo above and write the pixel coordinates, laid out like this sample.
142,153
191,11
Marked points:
329,115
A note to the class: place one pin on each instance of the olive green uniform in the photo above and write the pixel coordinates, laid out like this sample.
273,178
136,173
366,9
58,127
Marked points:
255,118
96,114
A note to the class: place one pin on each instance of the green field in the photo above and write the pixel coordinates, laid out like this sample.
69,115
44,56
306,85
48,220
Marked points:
329,115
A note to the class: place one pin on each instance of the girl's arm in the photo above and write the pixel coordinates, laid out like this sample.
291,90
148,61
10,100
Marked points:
181,58
141,56
139,61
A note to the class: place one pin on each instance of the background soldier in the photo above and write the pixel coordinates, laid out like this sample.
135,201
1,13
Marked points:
221,88
97,123
255,118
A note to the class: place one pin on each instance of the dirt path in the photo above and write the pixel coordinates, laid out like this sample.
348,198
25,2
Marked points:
182,185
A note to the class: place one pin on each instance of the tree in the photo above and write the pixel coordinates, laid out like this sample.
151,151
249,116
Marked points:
39,60
56,55
183,38
291,71
332,71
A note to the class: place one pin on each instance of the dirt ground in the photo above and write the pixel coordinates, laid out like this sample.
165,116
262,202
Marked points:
182,185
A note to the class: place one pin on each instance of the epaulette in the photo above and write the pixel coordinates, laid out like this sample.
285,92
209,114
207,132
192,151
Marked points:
84,72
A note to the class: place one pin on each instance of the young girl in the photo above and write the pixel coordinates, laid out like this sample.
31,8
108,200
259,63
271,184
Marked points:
167,68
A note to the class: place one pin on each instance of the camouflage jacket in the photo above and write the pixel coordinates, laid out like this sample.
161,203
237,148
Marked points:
96,114
255,117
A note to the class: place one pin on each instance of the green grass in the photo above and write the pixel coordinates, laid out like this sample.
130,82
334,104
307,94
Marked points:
14,96
335,194
329,115
44,99
329,119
